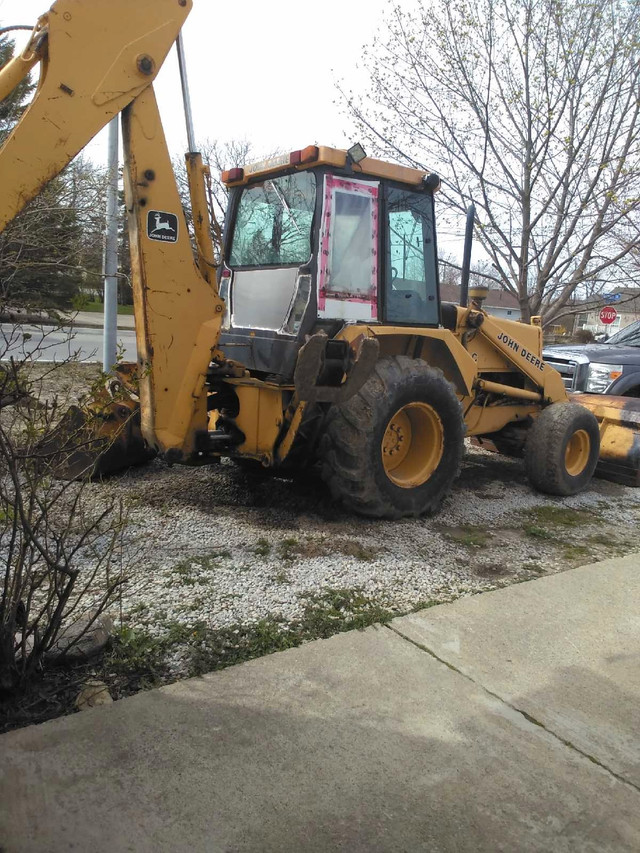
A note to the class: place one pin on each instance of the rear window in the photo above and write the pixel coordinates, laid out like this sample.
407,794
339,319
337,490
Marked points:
630,335
273,222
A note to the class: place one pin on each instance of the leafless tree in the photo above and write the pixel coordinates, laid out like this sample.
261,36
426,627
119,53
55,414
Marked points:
218,156
530,108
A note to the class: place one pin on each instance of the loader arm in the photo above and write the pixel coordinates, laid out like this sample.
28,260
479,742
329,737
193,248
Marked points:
98,58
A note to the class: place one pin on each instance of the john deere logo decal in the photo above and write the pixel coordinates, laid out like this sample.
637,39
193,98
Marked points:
162,226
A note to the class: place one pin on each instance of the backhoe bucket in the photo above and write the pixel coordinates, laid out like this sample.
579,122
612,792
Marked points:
101,439
619,420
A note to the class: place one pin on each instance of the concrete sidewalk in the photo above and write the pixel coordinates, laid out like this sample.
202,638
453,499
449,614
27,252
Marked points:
508,721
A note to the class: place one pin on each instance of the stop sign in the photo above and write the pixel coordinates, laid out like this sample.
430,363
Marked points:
608,315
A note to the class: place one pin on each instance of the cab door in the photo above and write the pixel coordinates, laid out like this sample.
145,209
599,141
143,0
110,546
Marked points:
348,260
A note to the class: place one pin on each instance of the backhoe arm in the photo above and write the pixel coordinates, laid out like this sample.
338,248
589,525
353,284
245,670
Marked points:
99,58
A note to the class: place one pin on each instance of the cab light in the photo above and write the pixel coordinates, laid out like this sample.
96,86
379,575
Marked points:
304,155
231,175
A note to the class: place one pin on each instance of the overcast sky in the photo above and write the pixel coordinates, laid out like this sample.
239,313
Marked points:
263,71
257,70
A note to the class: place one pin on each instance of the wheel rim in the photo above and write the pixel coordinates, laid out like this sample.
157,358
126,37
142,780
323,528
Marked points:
576,456
412,445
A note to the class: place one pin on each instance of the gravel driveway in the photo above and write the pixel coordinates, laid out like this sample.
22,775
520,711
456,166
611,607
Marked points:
219,547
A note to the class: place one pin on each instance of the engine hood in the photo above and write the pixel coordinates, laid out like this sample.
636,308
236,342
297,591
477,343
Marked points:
596,352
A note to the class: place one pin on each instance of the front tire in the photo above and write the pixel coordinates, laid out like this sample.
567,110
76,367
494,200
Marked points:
394,448
562,449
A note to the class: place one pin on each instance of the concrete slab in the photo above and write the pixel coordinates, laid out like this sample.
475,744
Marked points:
363,742
565,649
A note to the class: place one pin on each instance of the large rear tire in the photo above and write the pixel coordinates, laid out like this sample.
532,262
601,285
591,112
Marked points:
394,448
562,449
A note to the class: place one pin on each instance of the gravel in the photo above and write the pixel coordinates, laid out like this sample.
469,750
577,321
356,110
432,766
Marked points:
218,546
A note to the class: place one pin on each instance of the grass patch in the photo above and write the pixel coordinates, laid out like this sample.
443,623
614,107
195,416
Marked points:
470,535
576,552
262,548
281,577
424,605
353,548
193,570
537,532
288,548
559,516
142,659
98,307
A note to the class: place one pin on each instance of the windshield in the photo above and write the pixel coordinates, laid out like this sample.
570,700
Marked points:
273,223
630,335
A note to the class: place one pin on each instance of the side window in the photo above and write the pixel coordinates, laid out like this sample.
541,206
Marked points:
348,268
410,260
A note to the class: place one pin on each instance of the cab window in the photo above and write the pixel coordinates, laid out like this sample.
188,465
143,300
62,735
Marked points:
411,271
273,222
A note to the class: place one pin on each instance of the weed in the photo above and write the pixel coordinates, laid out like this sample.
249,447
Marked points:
534,567
282,577
424,605
192,571
575,552
137,655
145,658
352,548
262,548
560,516
469,535
288,548
537,532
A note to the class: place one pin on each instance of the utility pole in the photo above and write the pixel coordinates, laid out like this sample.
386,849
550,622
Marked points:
110,266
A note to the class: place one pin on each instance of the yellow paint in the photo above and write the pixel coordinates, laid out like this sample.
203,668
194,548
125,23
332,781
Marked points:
336,158
75,73
412,445
287,442
260,419
482,420
178,313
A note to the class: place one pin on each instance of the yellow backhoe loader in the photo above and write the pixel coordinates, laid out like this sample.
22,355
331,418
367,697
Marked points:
321,337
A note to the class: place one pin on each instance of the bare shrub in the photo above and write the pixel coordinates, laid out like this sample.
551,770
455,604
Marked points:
61,554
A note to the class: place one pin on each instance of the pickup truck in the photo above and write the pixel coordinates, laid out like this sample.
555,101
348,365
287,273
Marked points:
611,367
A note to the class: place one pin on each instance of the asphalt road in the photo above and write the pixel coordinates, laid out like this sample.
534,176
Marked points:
53,344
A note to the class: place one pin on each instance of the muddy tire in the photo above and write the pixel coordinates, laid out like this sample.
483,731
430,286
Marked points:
562,449
394,449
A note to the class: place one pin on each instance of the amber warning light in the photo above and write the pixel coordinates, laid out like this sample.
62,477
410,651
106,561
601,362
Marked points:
296,158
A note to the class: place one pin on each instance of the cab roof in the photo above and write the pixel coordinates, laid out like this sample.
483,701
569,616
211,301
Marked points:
320,155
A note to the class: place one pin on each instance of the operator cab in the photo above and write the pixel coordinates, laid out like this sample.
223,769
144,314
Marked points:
314,240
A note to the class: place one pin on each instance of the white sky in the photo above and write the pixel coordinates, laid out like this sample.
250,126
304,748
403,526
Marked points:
263,71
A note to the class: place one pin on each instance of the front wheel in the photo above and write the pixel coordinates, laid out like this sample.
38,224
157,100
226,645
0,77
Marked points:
394,448
562,449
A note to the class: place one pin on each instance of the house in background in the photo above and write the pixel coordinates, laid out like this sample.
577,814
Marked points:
500,303
625,300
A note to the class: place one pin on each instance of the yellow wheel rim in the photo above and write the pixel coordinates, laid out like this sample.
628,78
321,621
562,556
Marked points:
576,456
412,445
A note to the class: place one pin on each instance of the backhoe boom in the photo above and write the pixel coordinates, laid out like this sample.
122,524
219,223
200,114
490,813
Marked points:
99,59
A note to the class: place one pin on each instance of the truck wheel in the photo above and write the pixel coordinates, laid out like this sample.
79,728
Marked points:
562,449
394,448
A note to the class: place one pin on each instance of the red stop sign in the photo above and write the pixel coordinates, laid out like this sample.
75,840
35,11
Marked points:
608,315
